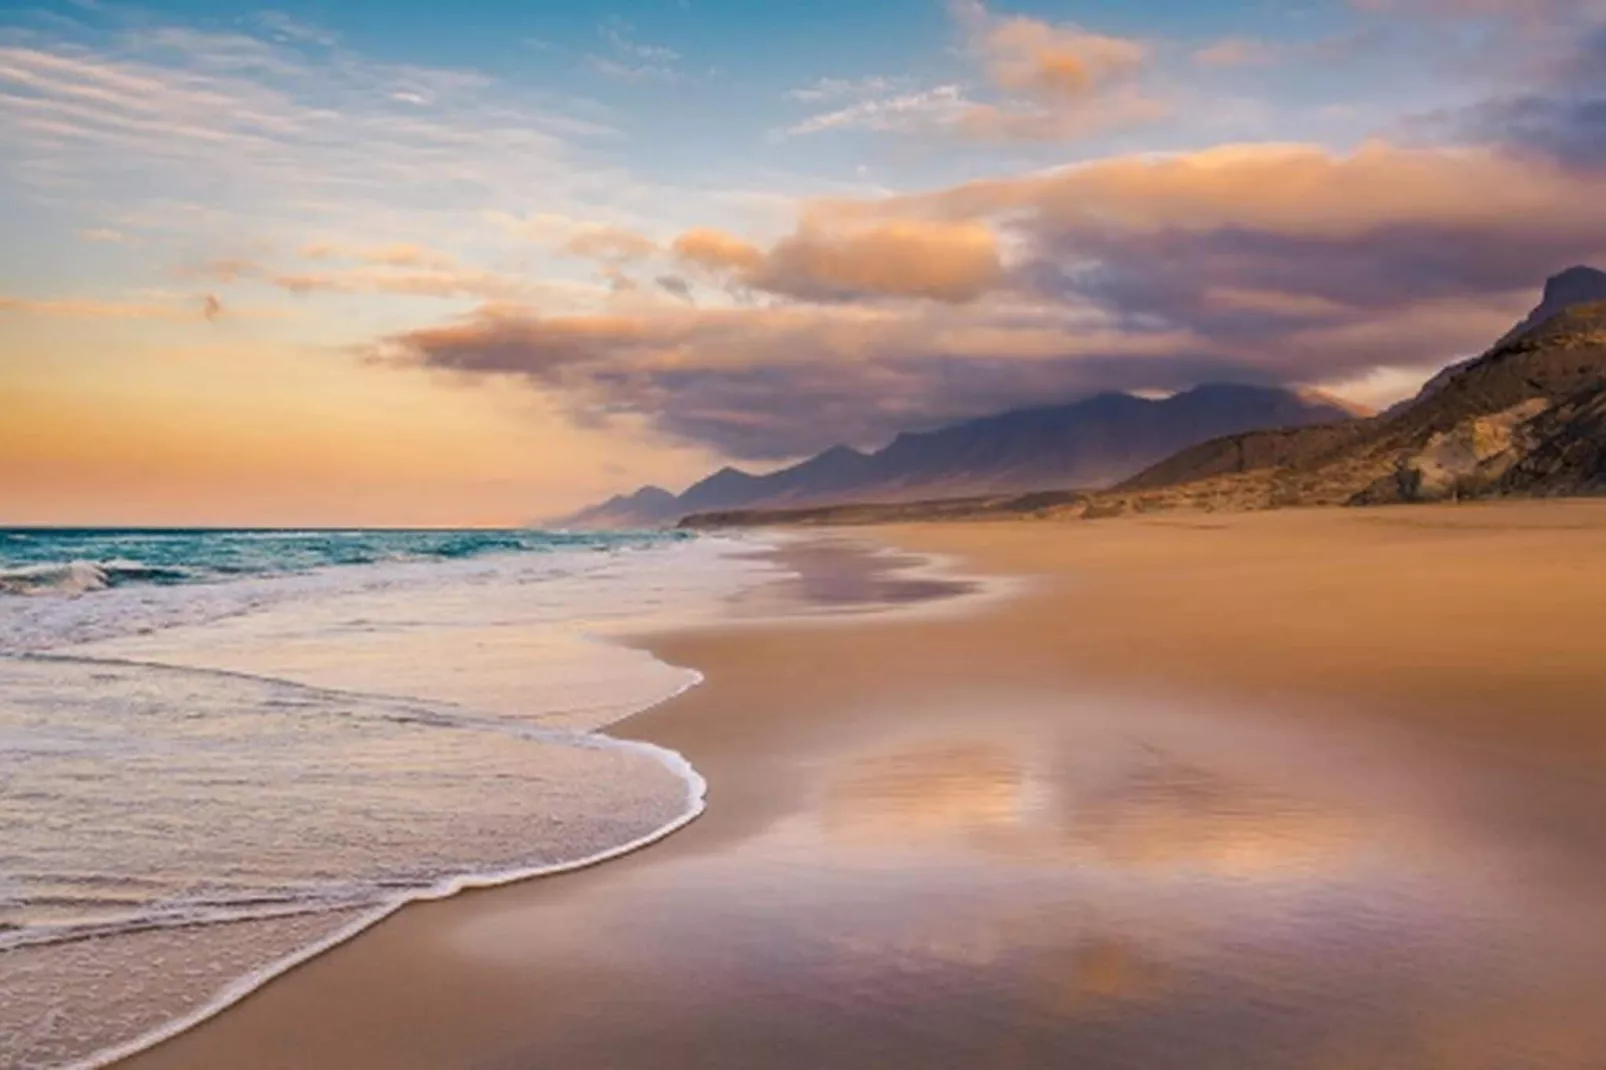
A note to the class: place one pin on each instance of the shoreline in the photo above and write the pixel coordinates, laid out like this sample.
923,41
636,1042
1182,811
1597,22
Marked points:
766,723
304,927
245,986
877,567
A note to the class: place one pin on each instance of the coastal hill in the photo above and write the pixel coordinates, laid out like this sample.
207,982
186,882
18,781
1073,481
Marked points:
1093,442
1484,429
1526,418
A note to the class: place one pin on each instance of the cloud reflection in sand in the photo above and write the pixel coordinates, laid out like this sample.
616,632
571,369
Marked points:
1141,810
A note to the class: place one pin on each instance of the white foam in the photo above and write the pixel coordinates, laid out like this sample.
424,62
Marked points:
302,629
696,803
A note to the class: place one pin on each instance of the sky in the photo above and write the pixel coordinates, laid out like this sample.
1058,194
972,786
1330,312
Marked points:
415,263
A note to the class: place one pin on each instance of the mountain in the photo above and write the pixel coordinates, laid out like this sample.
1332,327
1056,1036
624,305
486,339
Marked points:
620,511
1087,443
1575,286
1523,418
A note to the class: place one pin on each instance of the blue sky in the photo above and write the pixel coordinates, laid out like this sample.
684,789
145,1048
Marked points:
472,261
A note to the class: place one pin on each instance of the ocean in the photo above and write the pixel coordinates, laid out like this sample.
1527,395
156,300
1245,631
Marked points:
224,751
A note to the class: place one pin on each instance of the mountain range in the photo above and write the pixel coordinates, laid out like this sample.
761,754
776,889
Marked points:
1523,418
1081,444
1527,417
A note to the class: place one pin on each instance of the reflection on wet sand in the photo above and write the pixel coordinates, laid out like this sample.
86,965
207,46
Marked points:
1075,884
1144,811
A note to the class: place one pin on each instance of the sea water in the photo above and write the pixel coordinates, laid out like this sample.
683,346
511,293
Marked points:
222,751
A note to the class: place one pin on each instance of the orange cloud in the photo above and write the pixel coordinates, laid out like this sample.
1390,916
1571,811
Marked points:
1057,63
905,258
400,254
942,261
1294,190
717,251
70,308
1047,82
1059,81
1283,263
442,283
609,244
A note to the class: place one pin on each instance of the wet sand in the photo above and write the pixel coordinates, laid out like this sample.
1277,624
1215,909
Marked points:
1304,789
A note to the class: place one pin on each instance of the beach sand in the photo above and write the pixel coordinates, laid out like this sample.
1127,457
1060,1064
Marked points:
1311,789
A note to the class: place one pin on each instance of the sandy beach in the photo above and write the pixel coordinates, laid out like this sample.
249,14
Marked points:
1316,789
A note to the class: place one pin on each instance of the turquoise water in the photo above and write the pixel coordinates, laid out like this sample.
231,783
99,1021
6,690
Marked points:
76,560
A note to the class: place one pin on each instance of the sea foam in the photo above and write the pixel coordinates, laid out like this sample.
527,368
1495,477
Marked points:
235,776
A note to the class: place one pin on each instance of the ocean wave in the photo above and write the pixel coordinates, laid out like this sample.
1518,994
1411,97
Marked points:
65,588
81,577
352,903
339,786
80,561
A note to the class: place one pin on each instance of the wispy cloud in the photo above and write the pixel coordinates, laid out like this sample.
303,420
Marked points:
262,138
1040,81
631,59
1238,52
286,28
197,309
823,90
938,108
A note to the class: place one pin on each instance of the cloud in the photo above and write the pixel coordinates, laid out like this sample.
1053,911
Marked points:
775,382
396,254
87,309
231,269
1059,80
907,258
631,60
1521,9
1290,189
676,287
826,260
718,252
1058,64
1014,122
1237,52
828,89
937,109
233,137
444,283
399,269
211,307
1376,230
287,28
1563,118
609,244
1046,82
1269,263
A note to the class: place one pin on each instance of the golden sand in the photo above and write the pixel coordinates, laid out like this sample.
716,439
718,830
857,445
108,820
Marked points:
905,859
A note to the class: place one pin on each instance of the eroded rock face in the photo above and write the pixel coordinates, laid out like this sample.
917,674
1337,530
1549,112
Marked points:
1566,450
1466,461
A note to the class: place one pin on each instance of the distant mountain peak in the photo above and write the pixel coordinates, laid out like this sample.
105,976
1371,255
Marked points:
841,451
1089,442
1577,285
